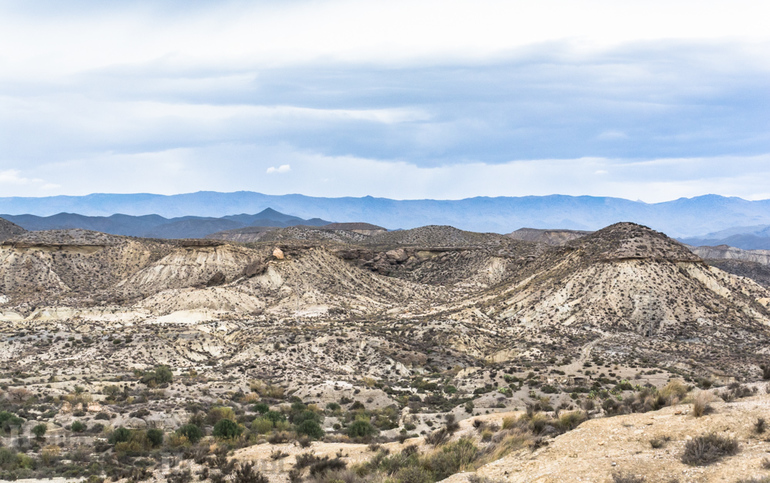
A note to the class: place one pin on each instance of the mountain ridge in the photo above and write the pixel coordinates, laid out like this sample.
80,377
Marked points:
156,226
684,217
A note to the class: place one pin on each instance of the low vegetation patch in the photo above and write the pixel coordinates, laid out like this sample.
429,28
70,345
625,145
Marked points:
704,450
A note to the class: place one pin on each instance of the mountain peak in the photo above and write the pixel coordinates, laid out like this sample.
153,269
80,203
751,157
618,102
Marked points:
9,230
627,240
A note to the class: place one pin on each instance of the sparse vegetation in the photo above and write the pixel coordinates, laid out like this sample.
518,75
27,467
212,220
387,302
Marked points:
704,450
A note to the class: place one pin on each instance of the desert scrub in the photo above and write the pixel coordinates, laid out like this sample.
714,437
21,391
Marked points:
701,404
704,450
621,477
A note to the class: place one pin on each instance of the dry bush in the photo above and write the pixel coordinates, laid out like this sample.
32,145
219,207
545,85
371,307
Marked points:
674,391
759,426
708,449
509,422
621,477
660,442
701,403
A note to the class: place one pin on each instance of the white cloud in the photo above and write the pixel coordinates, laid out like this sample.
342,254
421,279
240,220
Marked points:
13,177
284,168
288,33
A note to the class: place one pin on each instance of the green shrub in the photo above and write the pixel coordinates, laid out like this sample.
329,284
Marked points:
78,427
226,429
310,428
9,420
261,408
275,416
190,431
220,412
333,406
261,425
40,430
360,429
159,375
120,435
155,437
305,415
452,458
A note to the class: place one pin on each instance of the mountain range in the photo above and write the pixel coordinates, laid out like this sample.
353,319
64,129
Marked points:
156,226
685,217
745,237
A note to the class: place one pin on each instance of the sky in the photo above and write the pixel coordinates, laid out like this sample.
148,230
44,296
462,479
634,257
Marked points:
640,99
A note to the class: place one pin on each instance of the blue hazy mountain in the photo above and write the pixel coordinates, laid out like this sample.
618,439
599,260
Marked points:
744,237
156,226
685,217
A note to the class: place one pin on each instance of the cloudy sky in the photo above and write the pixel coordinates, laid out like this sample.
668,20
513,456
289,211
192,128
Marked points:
640,99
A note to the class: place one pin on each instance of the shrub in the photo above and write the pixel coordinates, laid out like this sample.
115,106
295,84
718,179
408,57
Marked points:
304,460
226,429
759,426
658,443
700,404
305,415
707,449
765,371
218,413
8,420
333,406
275,416
626,478
325,465
155,437
261,408
40,430
247,473
453,458
120,435
310,428
674,391
159,375
571,420
190,431
360,429
437,438
261,425
78,427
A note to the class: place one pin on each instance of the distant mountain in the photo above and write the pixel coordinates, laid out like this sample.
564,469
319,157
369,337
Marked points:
685,217
744,237
156,226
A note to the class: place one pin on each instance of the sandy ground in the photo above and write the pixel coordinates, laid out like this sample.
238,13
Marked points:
596,449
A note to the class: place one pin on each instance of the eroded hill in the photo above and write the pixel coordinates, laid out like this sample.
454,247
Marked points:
412,325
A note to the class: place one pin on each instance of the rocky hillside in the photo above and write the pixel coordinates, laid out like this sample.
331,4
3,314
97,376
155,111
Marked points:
401,329
9,230
550,237
625,290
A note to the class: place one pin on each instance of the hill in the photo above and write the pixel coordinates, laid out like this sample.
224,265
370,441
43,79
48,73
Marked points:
408,331
8,229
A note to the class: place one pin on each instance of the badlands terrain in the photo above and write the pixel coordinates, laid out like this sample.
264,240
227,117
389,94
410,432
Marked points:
349,353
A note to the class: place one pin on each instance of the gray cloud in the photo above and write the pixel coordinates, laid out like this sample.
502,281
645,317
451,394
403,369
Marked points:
652,119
